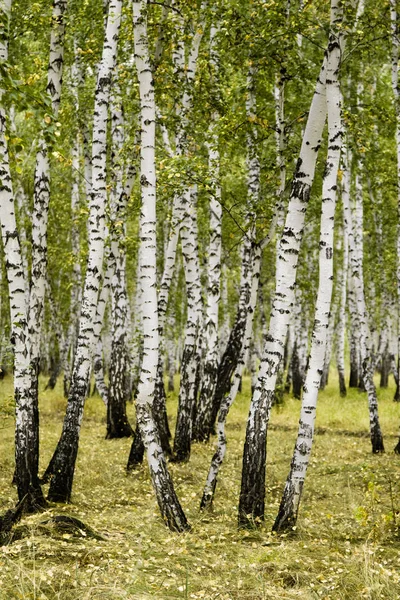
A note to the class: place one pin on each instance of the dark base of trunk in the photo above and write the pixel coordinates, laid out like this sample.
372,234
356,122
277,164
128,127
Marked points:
288,511
285,520
169,505
342,385
396,397
54,373
137,451
35,501
61,468
119,430
297,385
61,483
11,517
377,444
353,380
252,492
397,448
182,453
207,499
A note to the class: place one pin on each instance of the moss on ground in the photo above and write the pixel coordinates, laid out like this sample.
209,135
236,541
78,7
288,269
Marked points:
346,544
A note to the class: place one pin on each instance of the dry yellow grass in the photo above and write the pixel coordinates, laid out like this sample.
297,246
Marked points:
346,545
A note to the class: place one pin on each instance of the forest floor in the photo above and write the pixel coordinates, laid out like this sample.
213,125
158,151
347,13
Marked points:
346,544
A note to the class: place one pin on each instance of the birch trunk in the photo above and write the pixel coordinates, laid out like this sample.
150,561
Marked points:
357,276
117,421
228,362
251,503
168,502
67,449
288,510
191,350
26,423
204,410
227,401
341,327
41,199
396,94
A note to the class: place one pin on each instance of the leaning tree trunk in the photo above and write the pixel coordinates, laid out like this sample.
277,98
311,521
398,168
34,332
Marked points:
168,502
251,503
228,362
66,452
288,510
227,401
231,355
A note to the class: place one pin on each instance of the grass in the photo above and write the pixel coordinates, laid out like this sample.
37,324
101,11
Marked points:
346,545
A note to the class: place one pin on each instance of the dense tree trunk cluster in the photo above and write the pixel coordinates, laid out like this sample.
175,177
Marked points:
154,226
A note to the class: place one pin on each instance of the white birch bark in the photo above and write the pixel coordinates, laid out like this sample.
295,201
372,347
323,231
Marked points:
76,288
357,280
329,345
396,95
209,379
168,502
254,456
224,331
341,326
25,386
26,467
42,192
289,506
191,350
98,322
117,420
63,462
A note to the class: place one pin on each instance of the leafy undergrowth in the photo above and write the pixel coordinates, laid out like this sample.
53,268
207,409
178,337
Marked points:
346,544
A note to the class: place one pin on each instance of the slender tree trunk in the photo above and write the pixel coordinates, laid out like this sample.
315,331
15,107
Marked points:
117,420
251,503
191,350
227,401
396,94
168,502
356,267
288,510
204,409
40,211
341,326
228,362
64,459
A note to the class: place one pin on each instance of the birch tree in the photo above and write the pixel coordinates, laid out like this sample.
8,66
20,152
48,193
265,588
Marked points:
27,314
396,95
168,502
289,506
251,504
64,459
